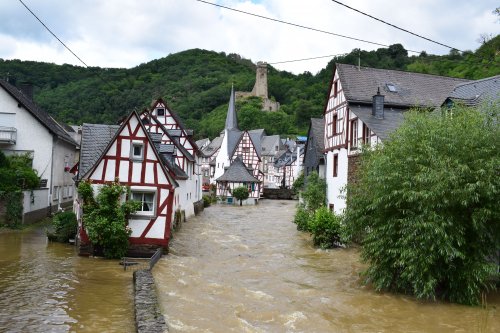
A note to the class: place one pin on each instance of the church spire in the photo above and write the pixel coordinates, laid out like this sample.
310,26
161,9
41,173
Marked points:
231,120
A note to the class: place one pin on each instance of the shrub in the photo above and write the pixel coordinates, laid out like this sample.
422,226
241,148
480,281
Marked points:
302,218
314,194
65,226
207,201
426,206
325,228
241,193
105,218
298,184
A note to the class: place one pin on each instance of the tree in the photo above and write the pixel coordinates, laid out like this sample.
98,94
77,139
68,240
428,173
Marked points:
105,217
241,193
426,206
315,192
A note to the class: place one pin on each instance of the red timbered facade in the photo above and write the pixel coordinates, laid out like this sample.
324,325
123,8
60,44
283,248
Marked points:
133,160
247,152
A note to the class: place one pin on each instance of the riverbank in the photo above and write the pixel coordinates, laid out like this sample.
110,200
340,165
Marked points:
148,318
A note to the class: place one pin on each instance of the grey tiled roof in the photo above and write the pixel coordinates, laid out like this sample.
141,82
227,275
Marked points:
412,89
166,149
393,118
231,119
256,135
473,93
200,143
177,172
174,132
315,144
233,138
155,137
95,139
237,172
41,115
269,144
213,146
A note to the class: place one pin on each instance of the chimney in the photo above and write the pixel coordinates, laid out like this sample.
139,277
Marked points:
378,105
27,89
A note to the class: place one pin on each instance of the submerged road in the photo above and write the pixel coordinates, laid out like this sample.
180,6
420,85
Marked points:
247,269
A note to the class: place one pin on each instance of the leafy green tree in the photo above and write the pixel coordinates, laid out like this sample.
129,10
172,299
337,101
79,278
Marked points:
314,194
241,193
105,217
426,205
325,228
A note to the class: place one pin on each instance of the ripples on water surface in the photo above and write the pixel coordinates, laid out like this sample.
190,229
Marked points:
45,287
247,269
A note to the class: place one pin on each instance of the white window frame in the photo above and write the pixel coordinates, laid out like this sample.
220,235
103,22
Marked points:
142,213
134,157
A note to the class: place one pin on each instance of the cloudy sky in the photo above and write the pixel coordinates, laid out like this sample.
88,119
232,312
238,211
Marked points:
126,33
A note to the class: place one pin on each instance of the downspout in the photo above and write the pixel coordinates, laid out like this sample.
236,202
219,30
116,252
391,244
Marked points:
51,188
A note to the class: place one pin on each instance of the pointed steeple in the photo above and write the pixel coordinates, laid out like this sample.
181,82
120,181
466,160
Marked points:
231,120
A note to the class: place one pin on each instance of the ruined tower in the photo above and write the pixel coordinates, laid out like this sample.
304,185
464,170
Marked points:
260,87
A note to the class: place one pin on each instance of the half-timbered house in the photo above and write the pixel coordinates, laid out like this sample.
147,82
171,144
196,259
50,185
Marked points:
170,131
136,159
236,175
363,107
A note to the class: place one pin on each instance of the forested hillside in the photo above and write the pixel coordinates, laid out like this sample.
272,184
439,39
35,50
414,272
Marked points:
196,84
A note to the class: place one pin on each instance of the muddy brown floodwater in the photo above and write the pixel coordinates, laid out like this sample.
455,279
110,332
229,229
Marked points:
247,269
46,287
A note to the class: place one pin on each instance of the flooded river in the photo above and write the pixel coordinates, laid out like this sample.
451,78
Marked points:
247,269
46,287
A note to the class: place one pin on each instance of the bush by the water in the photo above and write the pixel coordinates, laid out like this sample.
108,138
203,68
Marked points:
241,193
325,228
65,226
301,218
426,206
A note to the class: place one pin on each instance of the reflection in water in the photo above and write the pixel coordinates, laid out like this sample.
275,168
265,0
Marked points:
46,287
247,269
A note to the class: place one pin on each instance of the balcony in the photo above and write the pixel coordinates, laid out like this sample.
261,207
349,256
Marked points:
8,135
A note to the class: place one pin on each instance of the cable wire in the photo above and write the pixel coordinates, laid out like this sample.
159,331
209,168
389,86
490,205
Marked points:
298,25
305,59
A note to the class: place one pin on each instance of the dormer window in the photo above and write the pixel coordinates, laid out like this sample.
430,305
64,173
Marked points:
391,87
137,151
160,112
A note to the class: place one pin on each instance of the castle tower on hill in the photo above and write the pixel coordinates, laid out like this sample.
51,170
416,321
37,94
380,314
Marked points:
260,89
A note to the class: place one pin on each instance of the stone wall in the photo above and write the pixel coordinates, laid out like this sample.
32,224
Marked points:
279,193
198,207
148,317
352,166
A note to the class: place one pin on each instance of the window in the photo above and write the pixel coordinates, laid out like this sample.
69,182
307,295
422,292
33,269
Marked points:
335,165
160,112
391,87
354,133
332,207
366,135
137,151
246,150
147,200
334,125
335,88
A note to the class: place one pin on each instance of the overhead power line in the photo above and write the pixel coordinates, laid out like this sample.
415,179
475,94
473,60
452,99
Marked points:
298,25
395,26
305,59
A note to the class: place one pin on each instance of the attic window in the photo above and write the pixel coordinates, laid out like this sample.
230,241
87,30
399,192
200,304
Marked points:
137,151
391,87
160,112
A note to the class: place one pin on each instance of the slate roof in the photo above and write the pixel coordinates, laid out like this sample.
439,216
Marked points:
174,132
475,92
231,119
233,137
174,135
393,118
41,115
412,89
172,166
237,172
212,147
269,144
315,141
256,135
95,139
202,142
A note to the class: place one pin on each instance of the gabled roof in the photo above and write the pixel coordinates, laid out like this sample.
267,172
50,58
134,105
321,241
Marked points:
269,144
202,142
315,140
237,172
173,135
256,136
393,118
410,89
95,139
473,93
41,115
231,119
212,146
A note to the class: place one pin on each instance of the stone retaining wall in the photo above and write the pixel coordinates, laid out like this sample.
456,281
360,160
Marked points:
148,318
278,193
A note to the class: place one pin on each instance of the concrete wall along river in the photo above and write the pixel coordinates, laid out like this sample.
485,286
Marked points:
247,269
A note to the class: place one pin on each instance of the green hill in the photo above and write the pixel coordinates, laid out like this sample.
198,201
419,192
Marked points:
196,84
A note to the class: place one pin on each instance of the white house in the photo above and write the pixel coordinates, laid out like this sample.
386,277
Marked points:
27,129
364,106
